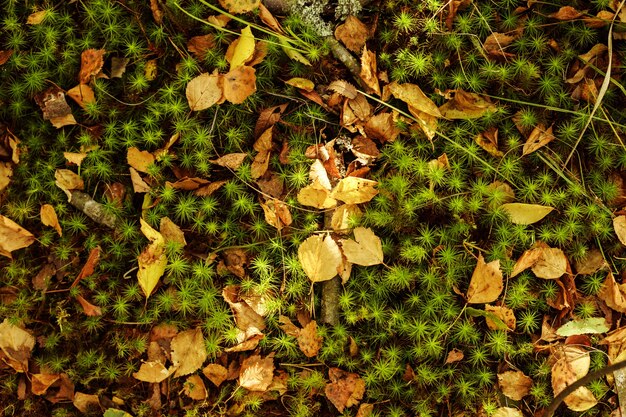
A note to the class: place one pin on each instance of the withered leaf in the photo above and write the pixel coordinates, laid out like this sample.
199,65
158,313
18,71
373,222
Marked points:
256,373
613,294
230,161
369,73
412,95
36,18
204,91
488,140
552,264
309,341
464,105
567,13
382,127
572,364
82,94
153,372
320,257
242,49
16,345
619,225
486,283
188,352
352,33
366,249
344,88
505,314
355,190
539,137
41,382
345,389
55,108
13,237
267,118
88,308
215,373
199,45
194,388
267,18
49,218
276,213
139,185
239,6
140,160
496,42
514,384
91,62
86,403
239,84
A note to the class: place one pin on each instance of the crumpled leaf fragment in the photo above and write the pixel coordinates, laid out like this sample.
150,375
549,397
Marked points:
464,105
345,389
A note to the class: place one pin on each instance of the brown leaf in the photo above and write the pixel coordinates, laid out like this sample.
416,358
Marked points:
613,294
301,83
230,161
139,185
572,363
16,346
194,388
88,308
369,74
343,217
86,403
619,225
263,145
365,410
82,94
267,118
90,266
247,320
287,326
188,352
188,184
266,17
276,213
153,372
344,88
496,42
382,127
352,33
592,262
118,66
488,140
41,382
412,95
157,14
13,237
36,18
239,84
309,341
68,180
345,389
210,188
199,45
454,355
55,108
49,218
42,279
204,91
239,6
464,105
539,137
215,373
6,172
256,373
5,55
567,13
552,264
486,283
140,160
503,313
171,231
75,158
91,62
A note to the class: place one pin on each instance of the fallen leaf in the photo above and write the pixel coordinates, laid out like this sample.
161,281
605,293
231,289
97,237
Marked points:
150,70
75,158
316,195
215,373
248,321
514,384
230,161
369,74
619,225
199,45
239,6
486,283
503,313
68,180
263,145
464,105
301,83
55,108
320,257
572,363
454,355
591,325
256,373
41,382
592,262
382,127
344,88
343,217
521,213
287,326
204,91
309,341
36,18
366,249
345,389
267,118
276,213
6,172
118,66
91,62
352,33
496,42
188,352
412,95
488,140
152,260
552,264
86,403
318,173
613,294
566,13
354,190
507,412
88,308
365,410
13,237
239,84
49,218
140,160
82,94
5,55
539,137
171,231
114,412
293,54
529,258
16,346
194,388
139,185
269,20
243,49
153,372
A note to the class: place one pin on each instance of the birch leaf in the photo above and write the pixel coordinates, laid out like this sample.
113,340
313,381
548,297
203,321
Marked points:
49,218
13,236
619,224
244,48
188,352
152,260
354,190
521,213
486,283
366,249
320,257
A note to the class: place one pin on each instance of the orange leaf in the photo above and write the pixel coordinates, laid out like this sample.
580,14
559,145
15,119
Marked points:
49,218
486,283
239,84
345,389
91,62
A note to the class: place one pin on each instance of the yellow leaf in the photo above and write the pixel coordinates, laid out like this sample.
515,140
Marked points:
301,83
320,258
343,215
521,213
552,263
244,49
486,283
49,218
240,6
152,261
204,91
152,372
36,18
140,160
412,95
465,105
366,249
16,345
82,94
619,224
316,195
188,352
150,233
13,236
354,190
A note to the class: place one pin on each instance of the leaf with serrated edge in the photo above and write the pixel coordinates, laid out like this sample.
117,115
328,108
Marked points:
366,249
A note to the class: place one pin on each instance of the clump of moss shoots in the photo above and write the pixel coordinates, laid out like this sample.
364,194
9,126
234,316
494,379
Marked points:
192,267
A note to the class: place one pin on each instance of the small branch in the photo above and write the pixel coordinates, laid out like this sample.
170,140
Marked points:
343,55
330,290
93,209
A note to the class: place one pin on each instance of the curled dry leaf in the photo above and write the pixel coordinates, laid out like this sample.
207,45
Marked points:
592,262
496,42
188,352
140,160
55,108
486,283
567,13
514,384
488,140
267,118
466,105
41,382
248,321
369,73
352,33
320,258
68,180
139,185
269,20
239,84
86,403
354,190
16,345
204,91
276,213
91,62
613,294
256,373
88,308
345,389
454,355
194,388
231,160
505,314
215,373
152,371
309,341
13,237
171,231
82,94
239,6
301,83
572,363
152,260
521,213
49,218
529,258
619,225
366,249
118,66
36,18
538,138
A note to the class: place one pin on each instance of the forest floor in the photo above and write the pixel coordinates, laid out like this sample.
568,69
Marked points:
246,208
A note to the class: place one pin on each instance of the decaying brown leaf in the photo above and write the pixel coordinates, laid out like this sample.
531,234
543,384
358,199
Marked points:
345,389
552,264
41,382
496,43
382,127
16,345
231,160
118,66
55,108
256,373
215,373
91,62
5,55
352,33
514,384
486,283
171,231
89,309
276,213
539,137
412,95
320,257
13,237
572,363
613,294
619,225
49,218
239,84
267,118
247,319
199,45
309,341
82,94
140,160
488,140
301,83
464,105
503,313
344,88
369,73
68,180
592,262
188,352
139,185
86,403
567,13
204,91
455,355
194,388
